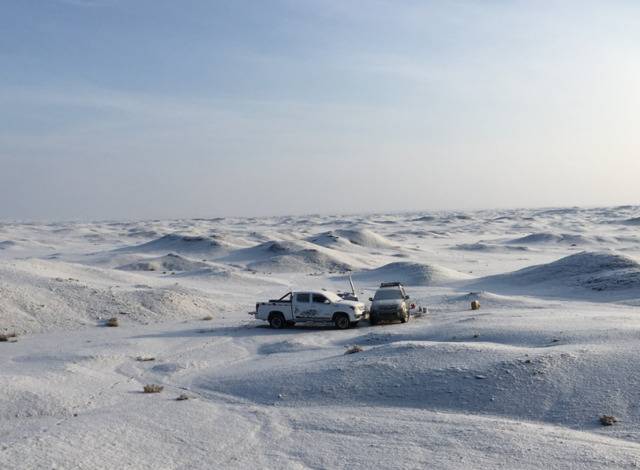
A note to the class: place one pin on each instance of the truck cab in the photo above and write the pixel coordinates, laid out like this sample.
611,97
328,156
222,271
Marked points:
310,306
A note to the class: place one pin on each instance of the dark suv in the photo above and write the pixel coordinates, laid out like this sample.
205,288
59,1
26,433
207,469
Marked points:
391,302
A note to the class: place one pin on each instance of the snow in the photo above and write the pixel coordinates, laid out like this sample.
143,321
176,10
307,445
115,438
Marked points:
520,383
610,274
183,243
361,237
169,262
411,274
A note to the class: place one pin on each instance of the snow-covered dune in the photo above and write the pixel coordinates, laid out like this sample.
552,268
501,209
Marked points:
304,260
488,247
40,296
551,238
634,221
169,262
266,250
360,237
293,257
474,377
411,274
603,275
182,243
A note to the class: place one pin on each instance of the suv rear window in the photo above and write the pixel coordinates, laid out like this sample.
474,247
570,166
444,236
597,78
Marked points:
302,297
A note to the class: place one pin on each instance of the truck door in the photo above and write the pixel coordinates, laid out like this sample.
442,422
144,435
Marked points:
302,306
322,305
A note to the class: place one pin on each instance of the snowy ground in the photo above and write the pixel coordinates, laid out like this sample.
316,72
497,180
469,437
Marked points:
520,383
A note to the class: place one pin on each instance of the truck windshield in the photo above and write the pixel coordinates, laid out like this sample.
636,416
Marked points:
387,294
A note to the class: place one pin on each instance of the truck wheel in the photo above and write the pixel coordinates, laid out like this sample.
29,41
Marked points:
404,318
342,321
373,321
276,320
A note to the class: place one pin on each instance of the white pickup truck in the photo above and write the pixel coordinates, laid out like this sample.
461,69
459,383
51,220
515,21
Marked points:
310,306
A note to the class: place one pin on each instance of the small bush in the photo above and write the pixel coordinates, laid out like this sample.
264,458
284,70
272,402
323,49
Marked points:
606,420
153,388
145,358
6,336
354,349
182,397
111,322
207,318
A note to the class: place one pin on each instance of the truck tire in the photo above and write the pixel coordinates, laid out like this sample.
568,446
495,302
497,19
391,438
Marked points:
373,321
276,320
404,318
341,321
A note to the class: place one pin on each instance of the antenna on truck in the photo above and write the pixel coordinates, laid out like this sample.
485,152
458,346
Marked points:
347,295
353,289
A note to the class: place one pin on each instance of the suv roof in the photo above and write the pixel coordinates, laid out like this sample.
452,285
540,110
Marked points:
390,284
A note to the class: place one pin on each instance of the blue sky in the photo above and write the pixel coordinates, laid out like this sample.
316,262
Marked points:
146,109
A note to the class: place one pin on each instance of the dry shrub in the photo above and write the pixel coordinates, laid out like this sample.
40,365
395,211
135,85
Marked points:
6,336
354,349
182,397
153,388
607,420
207,318
111,322
145,358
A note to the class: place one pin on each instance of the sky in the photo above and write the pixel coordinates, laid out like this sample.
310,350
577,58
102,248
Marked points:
139,109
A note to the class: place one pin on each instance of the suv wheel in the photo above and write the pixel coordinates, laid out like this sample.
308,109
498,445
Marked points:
405,317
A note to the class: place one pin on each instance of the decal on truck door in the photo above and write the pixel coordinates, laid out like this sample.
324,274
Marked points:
309,313
322,306
309,306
